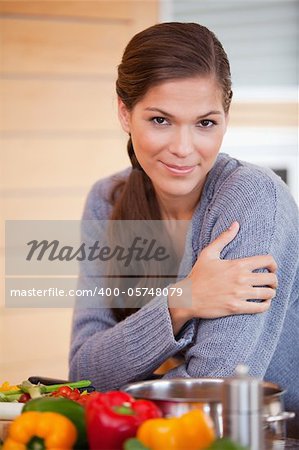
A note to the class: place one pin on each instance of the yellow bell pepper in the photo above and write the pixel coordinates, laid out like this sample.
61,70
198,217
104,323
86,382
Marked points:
5,386
192,431
42,430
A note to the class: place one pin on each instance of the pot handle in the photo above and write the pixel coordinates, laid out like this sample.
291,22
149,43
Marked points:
285,415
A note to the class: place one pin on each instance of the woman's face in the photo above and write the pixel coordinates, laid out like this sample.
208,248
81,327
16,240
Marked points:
177,130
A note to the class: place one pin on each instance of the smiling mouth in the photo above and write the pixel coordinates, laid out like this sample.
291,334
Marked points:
180,170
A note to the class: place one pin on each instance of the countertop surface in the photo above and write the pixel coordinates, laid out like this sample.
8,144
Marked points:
285,444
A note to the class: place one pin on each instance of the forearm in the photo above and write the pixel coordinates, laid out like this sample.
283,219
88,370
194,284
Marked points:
221,344
130,350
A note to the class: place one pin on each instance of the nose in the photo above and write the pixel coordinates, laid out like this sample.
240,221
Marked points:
182,144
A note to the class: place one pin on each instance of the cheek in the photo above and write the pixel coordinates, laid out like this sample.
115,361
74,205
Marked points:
148,143
210,145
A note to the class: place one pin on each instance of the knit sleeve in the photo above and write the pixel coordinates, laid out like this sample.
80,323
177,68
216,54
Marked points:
113,354
268,220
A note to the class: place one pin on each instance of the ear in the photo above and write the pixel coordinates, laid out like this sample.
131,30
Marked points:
124,116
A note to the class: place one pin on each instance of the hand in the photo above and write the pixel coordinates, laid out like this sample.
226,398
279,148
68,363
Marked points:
220,287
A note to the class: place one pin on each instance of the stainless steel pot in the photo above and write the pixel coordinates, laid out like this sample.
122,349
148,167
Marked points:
178,396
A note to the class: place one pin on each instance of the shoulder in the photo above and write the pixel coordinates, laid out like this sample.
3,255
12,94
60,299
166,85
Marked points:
97,205
254,196
235,183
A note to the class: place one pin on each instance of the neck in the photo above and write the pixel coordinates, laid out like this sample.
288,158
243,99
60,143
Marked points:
178,208
176,215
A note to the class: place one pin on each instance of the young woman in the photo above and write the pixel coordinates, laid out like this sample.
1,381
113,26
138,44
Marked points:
174,93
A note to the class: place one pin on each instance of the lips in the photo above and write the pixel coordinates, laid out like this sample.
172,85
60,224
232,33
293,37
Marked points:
180,170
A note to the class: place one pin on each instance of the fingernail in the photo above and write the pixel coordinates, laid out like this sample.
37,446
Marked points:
234,225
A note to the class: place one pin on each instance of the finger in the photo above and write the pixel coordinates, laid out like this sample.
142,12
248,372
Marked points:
254,308
260,293
215,248
263,279
260,262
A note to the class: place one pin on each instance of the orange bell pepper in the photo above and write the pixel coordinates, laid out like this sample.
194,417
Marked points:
42,430
192,431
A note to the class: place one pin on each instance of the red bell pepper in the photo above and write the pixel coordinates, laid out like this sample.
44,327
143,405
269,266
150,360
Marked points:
114,416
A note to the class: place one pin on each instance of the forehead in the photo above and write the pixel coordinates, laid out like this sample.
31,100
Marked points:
187,93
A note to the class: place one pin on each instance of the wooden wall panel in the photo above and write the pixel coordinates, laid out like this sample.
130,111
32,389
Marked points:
264,114
49,164
27,350
46,47
86,9
2,287
136,14
145,12
44,318
45,204
40,105
42,365
59,133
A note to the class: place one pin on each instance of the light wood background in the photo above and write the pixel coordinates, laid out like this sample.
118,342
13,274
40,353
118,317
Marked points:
59,134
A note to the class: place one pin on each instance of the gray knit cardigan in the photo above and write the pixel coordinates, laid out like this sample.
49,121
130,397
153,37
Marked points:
113,354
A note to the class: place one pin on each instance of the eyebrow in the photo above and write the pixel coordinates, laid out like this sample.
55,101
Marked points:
164,113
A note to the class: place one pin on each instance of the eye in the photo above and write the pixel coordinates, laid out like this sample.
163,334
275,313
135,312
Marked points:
159,121
206,123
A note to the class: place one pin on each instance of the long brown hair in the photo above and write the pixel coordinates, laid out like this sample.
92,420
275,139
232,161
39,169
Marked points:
161,53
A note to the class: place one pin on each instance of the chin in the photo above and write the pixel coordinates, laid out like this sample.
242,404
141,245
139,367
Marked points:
179,191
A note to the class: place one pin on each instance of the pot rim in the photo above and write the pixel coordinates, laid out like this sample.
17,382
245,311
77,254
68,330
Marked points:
278,391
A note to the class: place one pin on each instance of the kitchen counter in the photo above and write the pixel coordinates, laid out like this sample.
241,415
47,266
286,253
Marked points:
285,444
